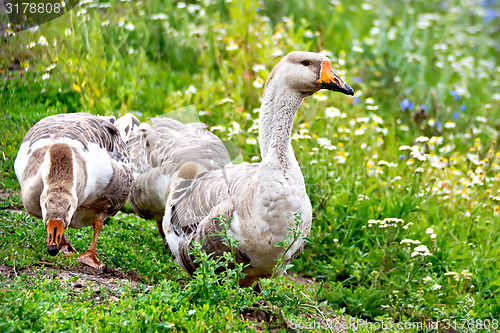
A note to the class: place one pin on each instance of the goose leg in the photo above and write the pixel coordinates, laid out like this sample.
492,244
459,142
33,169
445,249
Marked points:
66,248
162,234
89,258
160,230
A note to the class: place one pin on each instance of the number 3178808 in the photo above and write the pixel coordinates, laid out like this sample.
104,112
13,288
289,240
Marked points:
33,8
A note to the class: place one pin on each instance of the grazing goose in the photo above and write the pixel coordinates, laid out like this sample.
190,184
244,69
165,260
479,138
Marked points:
74,171
260,199
158,151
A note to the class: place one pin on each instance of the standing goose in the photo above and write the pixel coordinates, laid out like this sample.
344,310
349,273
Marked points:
158,151
260,199
74,171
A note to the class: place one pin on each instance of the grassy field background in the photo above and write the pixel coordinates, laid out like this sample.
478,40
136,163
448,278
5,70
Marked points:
403,177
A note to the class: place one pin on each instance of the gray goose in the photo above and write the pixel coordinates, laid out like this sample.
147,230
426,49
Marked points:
74,171
261,199
157,152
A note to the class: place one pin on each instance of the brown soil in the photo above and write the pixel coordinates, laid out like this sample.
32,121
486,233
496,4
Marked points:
296,278
109,277
8,200
265,316
6,193
270,317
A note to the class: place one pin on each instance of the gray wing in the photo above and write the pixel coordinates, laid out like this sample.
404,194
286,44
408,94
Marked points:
83,127
196,204
194,200
159,150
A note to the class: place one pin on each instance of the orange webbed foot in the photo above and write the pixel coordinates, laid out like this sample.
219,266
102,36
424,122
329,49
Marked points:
89,258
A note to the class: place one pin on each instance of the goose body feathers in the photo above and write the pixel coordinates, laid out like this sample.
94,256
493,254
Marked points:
259,200
158,150
258,217
74,171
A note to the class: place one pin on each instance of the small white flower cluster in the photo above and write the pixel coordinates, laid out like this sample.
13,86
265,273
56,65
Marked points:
408,242
326,143
416,151
251,141
258,83
431,233
191,90
225,100
320,96
386,223
420,251
465,275
388,164
333,112
422,139
231,45
255,126
435,286
409,224
341,157
233,129
303,133
258,67
218,128
42,41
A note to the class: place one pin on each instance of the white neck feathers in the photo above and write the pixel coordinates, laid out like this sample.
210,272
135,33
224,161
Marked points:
279,106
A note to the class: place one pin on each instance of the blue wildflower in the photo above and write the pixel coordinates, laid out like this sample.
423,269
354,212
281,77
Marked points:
406,105
490,15
487,3
455,94
462,107
437,124
456,115
357,79
402,157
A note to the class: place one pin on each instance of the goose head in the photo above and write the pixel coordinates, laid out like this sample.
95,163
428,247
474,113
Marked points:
307,73
57,211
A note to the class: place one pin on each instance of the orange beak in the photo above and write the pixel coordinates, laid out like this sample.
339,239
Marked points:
55,230
329,80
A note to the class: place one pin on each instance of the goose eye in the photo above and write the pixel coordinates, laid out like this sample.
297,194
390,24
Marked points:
306,62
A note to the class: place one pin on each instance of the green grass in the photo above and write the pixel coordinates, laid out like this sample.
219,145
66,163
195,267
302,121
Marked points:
440,56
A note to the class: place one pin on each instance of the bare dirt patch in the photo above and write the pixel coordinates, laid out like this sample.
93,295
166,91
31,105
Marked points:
80,275
6,193
265,317
296,278
9,199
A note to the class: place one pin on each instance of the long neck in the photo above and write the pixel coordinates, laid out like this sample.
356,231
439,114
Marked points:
59,180
278,109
